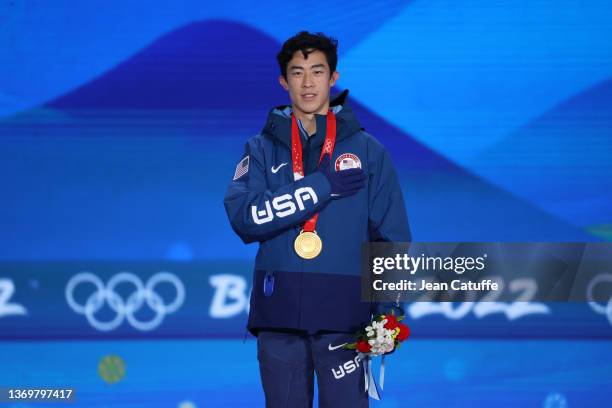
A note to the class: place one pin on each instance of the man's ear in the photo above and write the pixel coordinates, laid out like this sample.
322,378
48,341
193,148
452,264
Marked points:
283,82
334,78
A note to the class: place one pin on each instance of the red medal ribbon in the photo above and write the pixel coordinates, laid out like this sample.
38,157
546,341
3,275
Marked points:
296,155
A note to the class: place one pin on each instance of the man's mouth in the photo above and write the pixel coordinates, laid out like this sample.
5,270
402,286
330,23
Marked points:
309,96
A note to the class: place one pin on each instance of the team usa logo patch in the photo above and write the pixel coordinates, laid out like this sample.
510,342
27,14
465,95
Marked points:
242,168
347,161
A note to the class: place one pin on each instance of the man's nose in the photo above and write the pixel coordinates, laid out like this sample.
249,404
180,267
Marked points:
308,82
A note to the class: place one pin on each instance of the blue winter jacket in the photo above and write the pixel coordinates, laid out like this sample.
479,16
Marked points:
264,204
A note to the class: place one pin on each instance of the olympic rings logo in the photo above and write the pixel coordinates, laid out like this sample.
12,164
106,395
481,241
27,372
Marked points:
597,307
125,308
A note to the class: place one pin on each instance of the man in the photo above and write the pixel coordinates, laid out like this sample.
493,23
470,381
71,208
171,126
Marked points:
311,188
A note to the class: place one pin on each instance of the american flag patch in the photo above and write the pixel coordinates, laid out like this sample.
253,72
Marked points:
242,168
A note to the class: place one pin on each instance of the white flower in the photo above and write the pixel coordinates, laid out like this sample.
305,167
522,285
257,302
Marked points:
379,338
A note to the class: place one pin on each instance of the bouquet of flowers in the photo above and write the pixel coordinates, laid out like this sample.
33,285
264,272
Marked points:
384,334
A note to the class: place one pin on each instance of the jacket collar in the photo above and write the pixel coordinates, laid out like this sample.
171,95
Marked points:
278,125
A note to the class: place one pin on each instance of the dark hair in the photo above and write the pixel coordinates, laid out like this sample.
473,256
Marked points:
308,43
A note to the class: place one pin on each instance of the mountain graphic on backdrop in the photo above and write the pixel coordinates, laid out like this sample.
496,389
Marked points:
574,134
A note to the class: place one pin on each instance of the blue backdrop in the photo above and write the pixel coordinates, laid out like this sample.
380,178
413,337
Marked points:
121,124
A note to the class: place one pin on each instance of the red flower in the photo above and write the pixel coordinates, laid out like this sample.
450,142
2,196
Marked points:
403,333
363,346
392,322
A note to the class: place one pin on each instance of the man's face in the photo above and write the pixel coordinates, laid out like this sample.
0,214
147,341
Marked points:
308,82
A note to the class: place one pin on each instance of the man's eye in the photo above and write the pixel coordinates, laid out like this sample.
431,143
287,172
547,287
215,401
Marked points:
297,74
318,72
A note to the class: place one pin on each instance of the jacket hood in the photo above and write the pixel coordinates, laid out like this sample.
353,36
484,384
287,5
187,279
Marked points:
278,125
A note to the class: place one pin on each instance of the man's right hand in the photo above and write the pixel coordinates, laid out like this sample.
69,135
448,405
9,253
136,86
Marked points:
343,183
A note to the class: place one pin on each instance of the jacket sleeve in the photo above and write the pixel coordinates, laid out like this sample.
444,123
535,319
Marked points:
387,216
257,213
388,221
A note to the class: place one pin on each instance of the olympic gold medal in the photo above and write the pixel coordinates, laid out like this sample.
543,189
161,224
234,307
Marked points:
308,245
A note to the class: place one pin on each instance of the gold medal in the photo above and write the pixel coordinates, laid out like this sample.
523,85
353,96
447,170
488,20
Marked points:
308,245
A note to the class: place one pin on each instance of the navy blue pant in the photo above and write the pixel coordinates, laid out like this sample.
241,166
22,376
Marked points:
288,361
